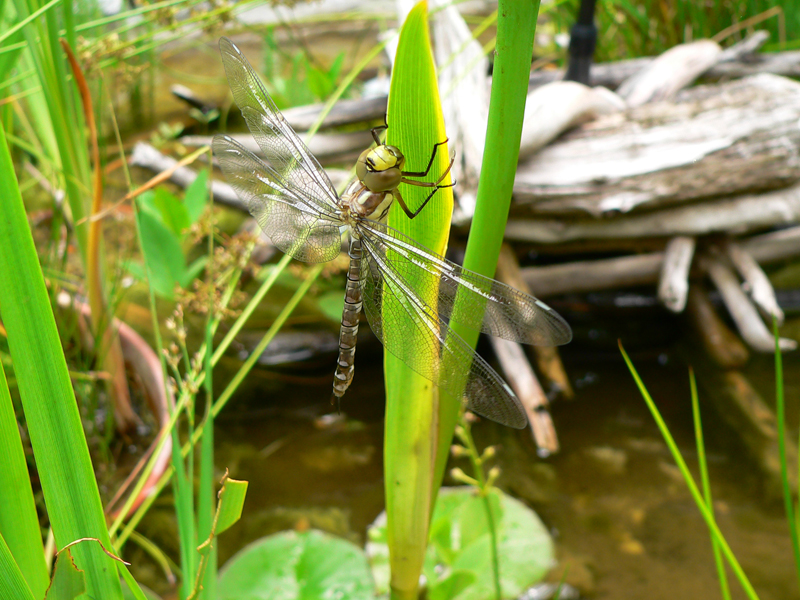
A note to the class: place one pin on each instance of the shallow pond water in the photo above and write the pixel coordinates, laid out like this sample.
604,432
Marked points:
624,523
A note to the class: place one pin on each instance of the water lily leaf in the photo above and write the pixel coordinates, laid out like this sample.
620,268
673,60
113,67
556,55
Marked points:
458,562
297,566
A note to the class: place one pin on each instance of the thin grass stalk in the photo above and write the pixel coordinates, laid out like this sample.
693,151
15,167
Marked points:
703,465
108,348
182,485
205,501
780,409
690,482
516,25
226,395
184,399
484,488
51,412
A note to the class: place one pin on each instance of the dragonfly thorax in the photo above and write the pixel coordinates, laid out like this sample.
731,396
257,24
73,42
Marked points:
362,202
380,169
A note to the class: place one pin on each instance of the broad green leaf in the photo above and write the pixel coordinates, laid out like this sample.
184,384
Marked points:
51,412
162,253
68,580
525,549
416,124
173,212
13,582
19,523
196,198
231,501
297,566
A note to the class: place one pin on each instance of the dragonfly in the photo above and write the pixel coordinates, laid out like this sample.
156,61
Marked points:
398,282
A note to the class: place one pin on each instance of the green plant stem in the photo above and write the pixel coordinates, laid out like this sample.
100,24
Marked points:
205,503
690,483
223,398
516,25
780,409
477,469
701,460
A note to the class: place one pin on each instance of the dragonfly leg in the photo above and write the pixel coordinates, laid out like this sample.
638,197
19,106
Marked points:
409,213
430,163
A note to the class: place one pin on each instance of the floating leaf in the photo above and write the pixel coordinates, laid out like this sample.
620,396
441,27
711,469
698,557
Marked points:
297,566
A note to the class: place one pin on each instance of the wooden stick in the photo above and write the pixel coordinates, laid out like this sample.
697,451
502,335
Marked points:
760,287
720,343
523,381
741,214
547,359
742,311
673,286
643,269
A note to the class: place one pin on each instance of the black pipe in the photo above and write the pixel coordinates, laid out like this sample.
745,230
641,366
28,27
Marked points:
582,42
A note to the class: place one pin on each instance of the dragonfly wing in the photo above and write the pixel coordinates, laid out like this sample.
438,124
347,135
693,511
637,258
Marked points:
484,304
294,224
290,159
438,354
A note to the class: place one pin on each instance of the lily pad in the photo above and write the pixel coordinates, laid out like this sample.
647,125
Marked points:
297,566
458,563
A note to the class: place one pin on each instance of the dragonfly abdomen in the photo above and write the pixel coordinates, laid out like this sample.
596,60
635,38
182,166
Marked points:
350,317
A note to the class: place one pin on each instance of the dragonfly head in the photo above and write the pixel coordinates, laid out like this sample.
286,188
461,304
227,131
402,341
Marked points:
380,168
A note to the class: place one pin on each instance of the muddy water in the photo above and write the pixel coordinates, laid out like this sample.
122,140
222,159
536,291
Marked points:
624,524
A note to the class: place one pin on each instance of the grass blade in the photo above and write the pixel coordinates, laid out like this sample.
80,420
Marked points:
51,412
690,483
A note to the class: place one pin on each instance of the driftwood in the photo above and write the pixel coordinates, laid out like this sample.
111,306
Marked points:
642,269
755,279
520,376
673,285
740,214
719,342
611,75
547,358
715,140
742,311
326,147
663,78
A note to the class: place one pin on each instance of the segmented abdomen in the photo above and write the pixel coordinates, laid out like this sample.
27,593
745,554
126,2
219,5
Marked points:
349,331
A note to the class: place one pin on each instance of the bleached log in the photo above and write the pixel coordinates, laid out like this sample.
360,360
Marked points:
672,71
720,343
326,147
714,140
643,269
612,74
673,286
548,359
742,311
735,215
523,381
556,107
757,281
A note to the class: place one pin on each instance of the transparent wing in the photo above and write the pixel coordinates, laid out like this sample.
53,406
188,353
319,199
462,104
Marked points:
484,304
292,163
295,225
437,353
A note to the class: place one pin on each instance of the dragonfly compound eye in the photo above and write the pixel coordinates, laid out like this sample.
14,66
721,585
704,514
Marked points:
380,169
